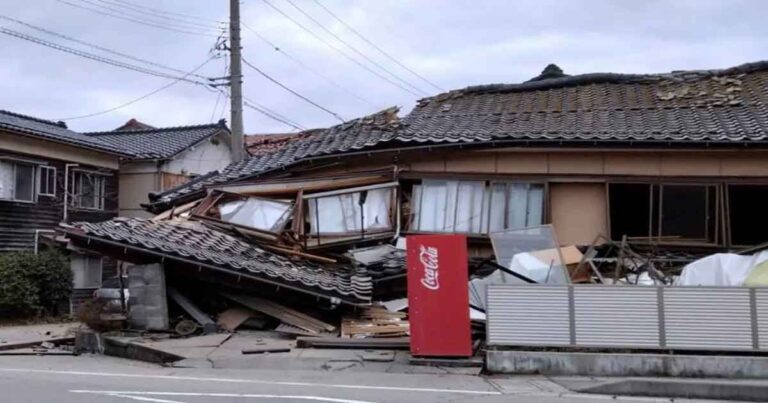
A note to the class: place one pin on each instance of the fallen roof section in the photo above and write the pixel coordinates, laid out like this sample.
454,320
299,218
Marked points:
158,143
194,243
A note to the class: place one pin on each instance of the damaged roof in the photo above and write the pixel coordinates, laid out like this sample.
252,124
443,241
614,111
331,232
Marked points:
52,131
682,108
260,144
194,241
157,143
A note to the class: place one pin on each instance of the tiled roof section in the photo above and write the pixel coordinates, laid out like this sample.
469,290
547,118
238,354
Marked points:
260,144
158,143
692,106
714,106
353,135
195,241
53,131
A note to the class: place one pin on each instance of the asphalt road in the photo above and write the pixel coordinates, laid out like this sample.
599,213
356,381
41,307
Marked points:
107,379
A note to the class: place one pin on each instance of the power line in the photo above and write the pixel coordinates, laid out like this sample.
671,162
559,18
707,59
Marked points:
269,115
281,85
273,112
164,21
354,49
215,106
182,15
134,20
307,67
390,57
154,14
69,38
341,52
133,101
94,57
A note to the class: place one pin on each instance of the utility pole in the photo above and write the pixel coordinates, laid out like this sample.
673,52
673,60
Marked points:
236,81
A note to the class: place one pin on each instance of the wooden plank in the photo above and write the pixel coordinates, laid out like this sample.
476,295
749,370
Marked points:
189,307
232,318
266,350
281,312
399,343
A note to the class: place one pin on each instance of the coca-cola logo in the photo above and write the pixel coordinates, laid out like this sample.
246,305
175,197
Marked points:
428,259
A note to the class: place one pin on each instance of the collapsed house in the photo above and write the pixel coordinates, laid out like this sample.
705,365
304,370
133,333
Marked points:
669,163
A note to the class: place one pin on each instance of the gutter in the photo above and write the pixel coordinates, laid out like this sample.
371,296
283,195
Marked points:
89,238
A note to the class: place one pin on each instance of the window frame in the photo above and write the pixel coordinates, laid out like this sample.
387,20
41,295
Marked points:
98,198
656,217
51,174
485,208
86,259
14,164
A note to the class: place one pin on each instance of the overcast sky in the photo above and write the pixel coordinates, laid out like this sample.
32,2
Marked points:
452,43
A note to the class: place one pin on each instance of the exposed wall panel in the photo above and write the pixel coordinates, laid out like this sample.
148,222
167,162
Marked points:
599,321
707,318
578,211
532,315
136,188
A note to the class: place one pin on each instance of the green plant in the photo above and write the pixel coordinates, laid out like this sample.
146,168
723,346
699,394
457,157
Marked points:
33,283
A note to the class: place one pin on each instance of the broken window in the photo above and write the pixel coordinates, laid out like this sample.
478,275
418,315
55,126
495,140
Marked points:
670,211
746,211
475,207
263,214
351,212
88,190
17,181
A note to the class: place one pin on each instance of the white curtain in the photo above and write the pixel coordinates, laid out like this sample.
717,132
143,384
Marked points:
7,180
343,213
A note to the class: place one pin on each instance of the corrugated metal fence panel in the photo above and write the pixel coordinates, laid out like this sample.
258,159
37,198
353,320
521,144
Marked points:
529,315
761,297
616,316
708,318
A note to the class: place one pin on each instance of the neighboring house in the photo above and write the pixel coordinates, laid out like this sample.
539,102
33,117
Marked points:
680,159
162,158
48,175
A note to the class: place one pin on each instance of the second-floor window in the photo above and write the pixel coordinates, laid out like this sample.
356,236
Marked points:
88,190
17,181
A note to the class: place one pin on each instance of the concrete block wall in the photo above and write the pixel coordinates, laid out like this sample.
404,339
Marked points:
148,305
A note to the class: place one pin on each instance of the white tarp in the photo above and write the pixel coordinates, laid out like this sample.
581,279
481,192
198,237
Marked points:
721,269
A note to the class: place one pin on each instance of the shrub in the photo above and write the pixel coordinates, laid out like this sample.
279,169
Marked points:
33,283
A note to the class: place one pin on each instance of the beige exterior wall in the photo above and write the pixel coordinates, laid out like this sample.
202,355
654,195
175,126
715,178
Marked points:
594,163
134,188
53,150
578,212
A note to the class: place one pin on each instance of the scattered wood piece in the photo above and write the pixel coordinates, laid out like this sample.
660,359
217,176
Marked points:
375,322
283,313
33,343
266,350
398,343
198,315
232,318
309,256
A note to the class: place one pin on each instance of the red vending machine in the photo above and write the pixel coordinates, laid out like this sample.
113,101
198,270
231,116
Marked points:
438,296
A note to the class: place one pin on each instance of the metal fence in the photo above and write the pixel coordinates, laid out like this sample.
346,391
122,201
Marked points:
636,317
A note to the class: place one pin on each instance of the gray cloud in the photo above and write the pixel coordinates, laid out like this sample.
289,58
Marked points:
453,43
